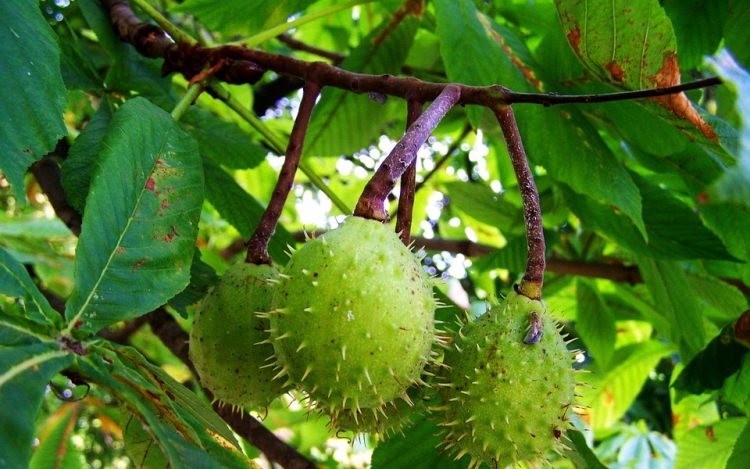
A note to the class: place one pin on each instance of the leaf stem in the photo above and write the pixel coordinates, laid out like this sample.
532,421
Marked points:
371,203
257,246
187,100
176,33
533,278
408,181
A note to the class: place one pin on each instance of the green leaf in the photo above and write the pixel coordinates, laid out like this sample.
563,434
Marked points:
202,277
709,447
741,451
484,205
731,223
181,438
675,231
141,220
696,39
242,17
736,388
710,368
34,96
625,43
580,452
139,444
670,290
736,35
24,372
595,323
240,209
724,301
572,152
614,391
416,448
236,151
56,449
16,282
630,44
78,166
343,122
734,185
512,256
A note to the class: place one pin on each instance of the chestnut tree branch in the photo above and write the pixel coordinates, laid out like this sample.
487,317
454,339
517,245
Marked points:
533,278
408,182
257,246
371,203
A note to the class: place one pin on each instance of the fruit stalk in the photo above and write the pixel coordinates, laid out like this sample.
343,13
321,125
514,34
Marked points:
533,278
257,246
371,204
408,181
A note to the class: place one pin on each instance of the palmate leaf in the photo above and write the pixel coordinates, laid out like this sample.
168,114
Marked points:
32,113
24,373
343,122
141,222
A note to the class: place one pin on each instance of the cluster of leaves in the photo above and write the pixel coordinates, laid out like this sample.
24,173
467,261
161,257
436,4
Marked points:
646,211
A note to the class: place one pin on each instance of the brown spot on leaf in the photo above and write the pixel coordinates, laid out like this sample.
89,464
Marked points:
165,204
609,398
574,38
120,250
702,198
150,184
27,150
710,433
678,104
615,71
137,264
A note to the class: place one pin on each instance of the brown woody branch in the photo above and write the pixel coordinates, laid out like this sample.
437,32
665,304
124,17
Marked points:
240,65
533,278
408,182
371,203
257,246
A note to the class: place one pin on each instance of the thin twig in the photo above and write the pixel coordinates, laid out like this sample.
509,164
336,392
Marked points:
257,246
294,44
371,203
533,278
408,181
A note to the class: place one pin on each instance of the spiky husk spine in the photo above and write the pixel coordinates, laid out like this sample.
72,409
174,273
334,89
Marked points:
352,323
224,335
505,399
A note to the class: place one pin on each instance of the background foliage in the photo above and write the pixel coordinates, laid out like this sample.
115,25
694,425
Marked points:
645,203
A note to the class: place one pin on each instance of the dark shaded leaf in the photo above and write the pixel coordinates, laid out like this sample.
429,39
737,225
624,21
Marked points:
141,220
721,358
31,115
696,39
202,277
741,451
77,167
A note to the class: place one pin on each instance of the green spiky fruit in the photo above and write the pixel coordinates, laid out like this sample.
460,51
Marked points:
224,335
507,390
352,319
